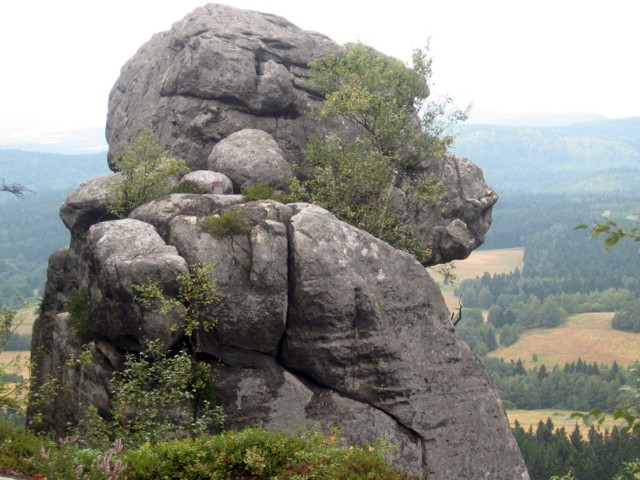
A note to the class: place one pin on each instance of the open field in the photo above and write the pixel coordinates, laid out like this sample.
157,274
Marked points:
502,260
560,418
15,362
588,336
18,361
26,316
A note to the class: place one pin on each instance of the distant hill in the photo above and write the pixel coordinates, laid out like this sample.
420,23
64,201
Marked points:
40,171
31,228
585,157
539,119
31,231
70,142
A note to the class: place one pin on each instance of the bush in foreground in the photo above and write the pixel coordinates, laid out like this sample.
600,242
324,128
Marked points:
249,454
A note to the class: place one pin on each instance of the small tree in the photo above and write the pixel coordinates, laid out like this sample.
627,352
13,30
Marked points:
146,173
160,393
372,179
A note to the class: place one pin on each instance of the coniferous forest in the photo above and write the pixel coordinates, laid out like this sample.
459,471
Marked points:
596,455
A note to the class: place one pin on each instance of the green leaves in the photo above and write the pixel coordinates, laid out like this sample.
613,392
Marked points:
10,320
155,394
364,179
258,191
146,173
189,308
614,232
161,394
232,222
374,92
629,413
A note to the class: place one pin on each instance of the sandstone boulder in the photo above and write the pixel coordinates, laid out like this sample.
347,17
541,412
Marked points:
208,182
250,157
88,204
122,254
217,71
221,75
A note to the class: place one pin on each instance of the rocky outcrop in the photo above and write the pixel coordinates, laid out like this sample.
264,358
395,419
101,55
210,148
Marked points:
229,90
217,71
318,322
457,228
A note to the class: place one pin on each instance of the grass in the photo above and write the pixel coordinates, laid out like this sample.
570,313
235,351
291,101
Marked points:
588,336
231,222
18,361
503,260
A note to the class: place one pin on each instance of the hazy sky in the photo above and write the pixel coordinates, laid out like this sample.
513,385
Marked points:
60,58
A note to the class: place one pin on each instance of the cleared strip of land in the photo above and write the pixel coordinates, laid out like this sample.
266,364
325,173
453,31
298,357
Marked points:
560,418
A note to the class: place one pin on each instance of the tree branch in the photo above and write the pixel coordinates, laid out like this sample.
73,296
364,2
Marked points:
14,188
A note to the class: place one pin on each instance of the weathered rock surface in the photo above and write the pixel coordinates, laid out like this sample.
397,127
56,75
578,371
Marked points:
221,74
88,204
318,322
208,182
251,276
217,71
458,227
378,319
248,157
121,254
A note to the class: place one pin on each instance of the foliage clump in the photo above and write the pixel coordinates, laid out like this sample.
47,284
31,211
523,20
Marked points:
258,191
157,396
189,187
79,315
550,452
232,222
612,230
250,454
146,171
371,180
162,394
627,317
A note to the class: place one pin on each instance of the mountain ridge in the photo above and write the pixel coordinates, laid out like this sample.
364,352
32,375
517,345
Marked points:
552,159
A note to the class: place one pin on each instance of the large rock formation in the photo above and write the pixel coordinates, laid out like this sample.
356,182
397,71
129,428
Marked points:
319,322
221,70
